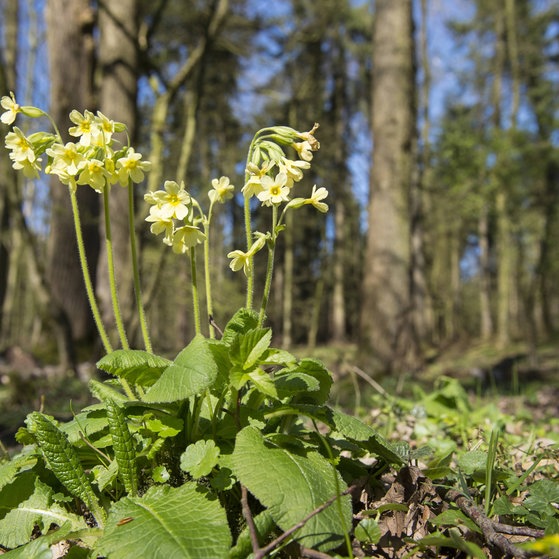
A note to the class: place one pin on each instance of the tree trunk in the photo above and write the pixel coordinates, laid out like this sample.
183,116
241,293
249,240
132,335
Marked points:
118,26
8,184
385,315
486,319
70,45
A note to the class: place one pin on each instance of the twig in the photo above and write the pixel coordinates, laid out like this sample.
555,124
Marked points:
249,520
518,530
313,554
272,545
486,525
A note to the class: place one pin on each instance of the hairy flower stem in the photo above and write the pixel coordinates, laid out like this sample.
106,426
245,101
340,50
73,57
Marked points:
86,275
248,231
195,295
135,270
111,269
269,268
250,275
207,276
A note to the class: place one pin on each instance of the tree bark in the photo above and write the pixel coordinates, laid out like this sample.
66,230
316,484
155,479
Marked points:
70,46
385,315
8,184
118,60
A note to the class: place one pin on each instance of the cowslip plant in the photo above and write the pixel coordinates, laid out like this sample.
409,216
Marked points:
228,450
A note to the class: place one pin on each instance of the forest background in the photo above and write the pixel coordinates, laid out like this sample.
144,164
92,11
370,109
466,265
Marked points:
439,147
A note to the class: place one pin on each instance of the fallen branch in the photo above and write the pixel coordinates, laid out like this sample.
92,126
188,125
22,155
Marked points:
486,525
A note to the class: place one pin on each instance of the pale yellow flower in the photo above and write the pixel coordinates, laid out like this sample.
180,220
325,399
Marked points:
240,260
30,168
102,129
304,149
221,190
85,128
274,190
11,107
94,174
316,196
63,176
22,148
186,237
293,169
253,185
172,202
160,224
131,167
66,158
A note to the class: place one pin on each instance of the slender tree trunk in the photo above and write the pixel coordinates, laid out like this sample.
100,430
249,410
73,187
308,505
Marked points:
8,182
421,300
385,315
486,319
70,45
504,238
118,61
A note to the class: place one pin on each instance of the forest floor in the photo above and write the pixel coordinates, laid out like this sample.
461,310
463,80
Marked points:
471,413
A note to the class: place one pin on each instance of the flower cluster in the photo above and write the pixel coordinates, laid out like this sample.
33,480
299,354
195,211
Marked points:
271,177
178,215
91,161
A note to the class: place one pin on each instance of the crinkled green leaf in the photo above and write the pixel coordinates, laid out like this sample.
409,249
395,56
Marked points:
193,371
241,322
291,486
247,348
104,391
166,523
200,458
62,458
134,365
17,526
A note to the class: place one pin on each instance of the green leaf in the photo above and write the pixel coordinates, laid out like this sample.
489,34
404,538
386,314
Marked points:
472,462
453,541
62,458
134,365
10,469
291,486
263,382
124,447
103,391
542,494
294,383
18,525
200,458
241,322
453,517
193,371
166,522
247,348
368,531
354,429
317,370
